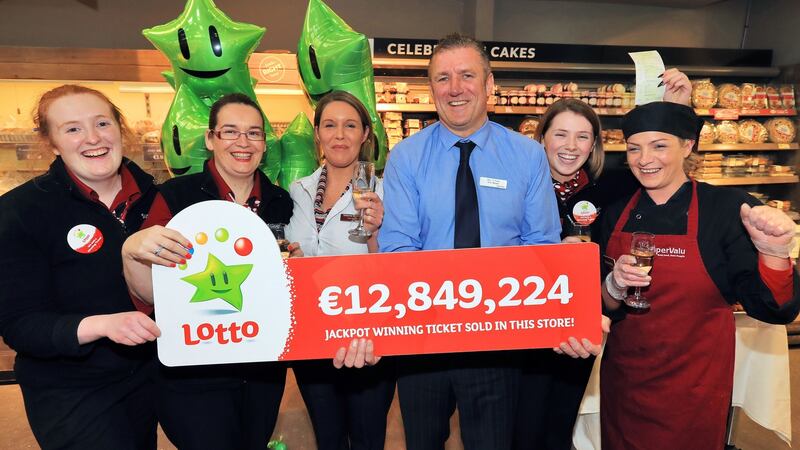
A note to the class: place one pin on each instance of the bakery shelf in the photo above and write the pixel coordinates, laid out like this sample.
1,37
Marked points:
536,110
744,181
406,107
723,147
8,138
747,112
421,64
747,147
504,109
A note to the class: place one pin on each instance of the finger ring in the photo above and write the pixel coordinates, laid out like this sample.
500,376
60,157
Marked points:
158,250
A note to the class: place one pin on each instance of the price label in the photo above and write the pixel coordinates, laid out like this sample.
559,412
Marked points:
726,114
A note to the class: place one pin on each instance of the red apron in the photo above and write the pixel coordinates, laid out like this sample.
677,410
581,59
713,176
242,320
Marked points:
667,375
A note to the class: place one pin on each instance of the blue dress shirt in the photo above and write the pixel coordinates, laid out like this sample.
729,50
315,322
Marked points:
512,176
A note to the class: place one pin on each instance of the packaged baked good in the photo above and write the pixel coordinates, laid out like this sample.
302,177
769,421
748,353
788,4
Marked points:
144,126
729,96
780,170
391,115
707,133
781,130
613,136
774,98
704,94
727,132
752,132
151,137
761,97
783,205
528,125
748,96
787,96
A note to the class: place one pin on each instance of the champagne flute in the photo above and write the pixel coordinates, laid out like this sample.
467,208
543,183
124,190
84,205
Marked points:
579,230
363,182
643,248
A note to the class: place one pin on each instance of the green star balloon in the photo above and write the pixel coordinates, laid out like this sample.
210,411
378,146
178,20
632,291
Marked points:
183,133
219,281
208,53
300,156
332,56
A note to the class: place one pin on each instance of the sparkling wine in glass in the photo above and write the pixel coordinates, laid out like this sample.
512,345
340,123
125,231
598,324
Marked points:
280,237
363,181
643,248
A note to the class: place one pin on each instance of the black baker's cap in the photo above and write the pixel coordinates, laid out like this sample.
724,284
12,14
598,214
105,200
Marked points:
666,117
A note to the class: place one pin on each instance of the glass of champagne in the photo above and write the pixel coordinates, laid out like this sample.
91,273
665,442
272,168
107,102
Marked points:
363,182
643,248
280,237
579,230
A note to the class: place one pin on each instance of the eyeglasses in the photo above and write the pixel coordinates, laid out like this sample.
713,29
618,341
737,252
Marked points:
232,135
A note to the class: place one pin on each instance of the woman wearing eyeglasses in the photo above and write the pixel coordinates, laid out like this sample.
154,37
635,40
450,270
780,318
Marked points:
223,406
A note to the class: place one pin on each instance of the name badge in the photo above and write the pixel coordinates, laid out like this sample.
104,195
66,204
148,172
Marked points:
493,183
348,217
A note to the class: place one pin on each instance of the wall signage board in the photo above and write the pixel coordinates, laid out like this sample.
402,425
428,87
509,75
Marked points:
587,54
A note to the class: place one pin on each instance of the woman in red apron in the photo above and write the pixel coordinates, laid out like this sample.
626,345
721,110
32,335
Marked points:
667,372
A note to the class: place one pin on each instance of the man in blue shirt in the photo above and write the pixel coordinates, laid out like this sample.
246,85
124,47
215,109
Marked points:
500,181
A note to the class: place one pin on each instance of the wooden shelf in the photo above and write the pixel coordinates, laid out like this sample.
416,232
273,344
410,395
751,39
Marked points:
577,68
406,107
745,181
747,112
505,109
723,147
537,110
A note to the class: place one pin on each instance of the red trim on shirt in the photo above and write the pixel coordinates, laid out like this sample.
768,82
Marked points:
159,213
128,193
779,282
225,192
141,306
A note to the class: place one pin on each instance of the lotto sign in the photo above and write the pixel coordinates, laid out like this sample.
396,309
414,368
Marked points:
407,303
231,301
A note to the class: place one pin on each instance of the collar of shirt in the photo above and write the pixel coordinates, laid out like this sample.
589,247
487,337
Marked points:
680,198
125,197
479,137
226,193
309,183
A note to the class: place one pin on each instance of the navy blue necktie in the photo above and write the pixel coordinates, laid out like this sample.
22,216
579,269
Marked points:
467,224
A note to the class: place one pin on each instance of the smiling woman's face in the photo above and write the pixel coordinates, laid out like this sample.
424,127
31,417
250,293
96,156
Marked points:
568,142
85,134
656,160
340,134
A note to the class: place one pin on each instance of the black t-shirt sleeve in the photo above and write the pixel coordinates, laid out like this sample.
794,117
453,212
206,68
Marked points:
732,260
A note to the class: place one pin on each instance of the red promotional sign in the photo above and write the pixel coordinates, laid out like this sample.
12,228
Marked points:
445,301
236,300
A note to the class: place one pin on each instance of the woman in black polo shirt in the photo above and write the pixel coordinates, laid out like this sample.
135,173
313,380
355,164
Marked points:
83,358
218,406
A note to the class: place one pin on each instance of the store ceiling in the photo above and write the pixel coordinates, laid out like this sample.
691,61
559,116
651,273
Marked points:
665,3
